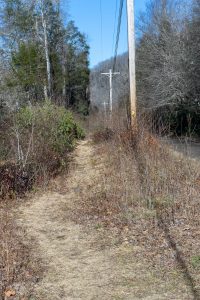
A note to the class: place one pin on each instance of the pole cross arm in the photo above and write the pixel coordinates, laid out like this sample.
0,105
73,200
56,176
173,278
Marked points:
108,74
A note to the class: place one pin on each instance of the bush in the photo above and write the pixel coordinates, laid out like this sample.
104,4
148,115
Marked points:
41,138
102,135
53,127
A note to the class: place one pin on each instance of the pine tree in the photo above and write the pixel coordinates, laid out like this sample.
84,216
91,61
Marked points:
77,68
46,59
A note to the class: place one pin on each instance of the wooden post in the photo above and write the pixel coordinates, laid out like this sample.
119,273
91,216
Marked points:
131,46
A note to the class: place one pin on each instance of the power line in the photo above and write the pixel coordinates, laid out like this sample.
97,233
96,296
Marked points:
116,7
118,33
101,17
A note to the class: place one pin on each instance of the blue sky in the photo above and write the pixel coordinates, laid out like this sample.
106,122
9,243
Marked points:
86,14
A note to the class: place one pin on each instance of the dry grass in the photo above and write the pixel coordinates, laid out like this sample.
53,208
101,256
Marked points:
92,262
18,269
144,196
150,197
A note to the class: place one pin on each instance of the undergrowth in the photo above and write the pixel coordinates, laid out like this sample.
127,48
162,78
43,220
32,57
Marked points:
151,196
36,144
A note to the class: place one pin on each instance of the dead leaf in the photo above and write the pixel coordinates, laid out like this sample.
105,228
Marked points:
10,293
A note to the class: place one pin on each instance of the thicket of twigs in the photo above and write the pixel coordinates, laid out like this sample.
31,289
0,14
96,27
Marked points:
167,67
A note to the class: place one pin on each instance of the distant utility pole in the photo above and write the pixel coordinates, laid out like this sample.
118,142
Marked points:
131,45
110,75
105,109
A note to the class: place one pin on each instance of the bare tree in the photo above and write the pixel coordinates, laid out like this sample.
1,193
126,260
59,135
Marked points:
161,55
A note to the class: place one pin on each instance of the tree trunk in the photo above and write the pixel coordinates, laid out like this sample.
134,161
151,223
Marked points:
46,52
64,79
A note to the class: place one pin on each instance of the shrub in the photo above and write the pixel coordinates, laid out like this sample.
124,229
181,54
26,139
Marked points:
41,138
52,124
102,135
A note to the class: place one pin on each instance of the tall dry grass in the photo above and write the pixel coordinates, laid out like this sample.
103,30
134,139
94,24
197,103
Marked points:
18,268
152,194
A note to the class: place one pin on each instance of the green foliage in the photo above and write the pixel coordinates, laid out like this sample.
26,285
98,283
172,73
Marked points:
80,134
179,120
34,145
19,17
24,118
195,261
66,52
28,67
82,108
77,68
53,127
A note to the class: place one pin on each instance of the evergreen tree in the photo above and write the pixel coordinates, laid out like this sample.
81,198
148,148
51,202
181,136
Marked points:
46,59
28,67
17,22
77,68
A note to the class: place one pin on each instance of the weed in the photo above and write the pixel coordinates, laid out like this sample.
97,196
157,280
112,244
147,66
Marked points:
195,261
102,135
152,192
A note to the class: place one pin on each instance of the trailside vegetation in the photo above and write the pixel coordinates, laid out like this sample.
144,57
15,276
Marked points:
44,73
34,146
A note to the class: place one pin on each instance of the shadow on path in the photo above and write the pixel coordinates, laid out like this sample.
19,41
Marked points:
179,259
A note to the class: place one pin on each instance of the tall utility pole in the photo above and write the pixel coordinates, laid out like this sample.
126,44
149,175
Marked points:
131,45
110,75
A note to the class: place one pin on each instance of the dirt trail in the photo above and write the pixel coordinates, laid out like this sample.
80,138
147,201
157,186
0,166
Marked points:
74,267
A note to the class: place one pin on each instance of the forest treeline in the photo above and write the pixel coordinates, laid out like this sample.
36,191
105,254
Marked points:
41,56
167,64
44,73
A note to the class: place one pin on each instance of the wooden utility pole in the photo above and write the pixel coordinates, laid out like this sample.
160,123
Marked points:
131,46
110,75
